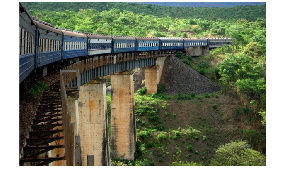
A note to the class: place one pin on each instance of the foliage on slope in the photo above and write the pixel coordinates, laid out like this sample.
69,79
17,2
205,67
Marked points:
251,12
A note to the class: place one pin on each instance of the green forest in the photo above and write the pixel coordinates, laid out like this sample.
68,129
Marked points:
239,69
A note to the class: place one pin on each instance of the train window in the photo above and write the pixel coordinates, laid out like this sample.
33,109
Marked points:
20,40
46,45
25,42
40,45
28,43
51,45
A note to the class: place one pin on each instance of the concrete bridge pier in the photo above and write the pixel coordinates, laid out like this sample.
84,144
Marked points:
197,51
160,65
151,79
153,75
92,122
123,126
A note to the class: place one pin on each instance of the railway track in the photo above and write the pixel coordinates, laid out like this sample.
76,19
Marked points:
44,144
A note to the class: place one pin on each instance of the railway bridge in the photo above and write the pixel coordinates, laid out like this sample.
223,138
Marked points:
71,122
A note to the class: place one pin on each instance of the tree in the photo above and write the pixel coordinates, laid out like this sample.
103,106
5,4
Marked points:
237,153
253,49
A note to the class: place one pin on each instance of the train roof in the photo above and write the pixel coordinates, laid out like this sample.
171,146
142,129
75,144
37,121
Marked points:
98,36
147,38
46,26
195,39
170,38
75,34
123,37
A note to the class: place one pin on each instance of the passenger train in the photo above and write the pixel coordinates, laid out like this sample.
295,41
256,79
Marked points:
41,44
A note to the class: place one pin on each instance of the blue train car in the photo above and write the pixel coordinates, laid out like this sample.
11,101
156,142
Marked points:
192,42
171,43
147,44
99,44
74,44
27,30
49,44
217,42
124,44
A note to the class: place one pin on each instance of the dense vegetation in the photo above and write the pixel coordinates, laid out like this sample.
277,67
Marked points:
251,12
239,69
130,24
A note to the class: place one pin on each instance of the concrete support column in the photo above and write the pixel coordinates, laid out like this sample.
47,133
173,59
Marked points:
123,127
151,79
205,51
160,65
92,124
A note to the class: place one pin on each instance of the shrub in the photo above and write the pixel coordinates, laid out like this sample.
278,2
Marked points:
186,61
215,106
184,163
237,153
181,96
142,91
189,147
203,139
160,89
161,136
179,55
37,89
143,134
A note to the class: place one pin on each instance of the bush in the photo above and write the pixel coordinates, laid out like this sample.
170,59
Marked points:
161,136
179,55
237,153
143,134
189,147
37,89
181,96
160,89
186,61
183,163
142,91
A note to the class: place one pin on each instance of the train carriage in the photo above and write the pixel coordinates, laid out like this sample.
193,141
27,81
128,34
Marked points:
74,44
171,43
49,44
147,44
192,42
217,42
27,30
99,44
124,44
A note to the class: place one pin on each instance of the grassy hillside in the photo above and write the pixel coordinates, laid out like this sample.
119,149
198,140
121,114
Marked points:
188,129
251,12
